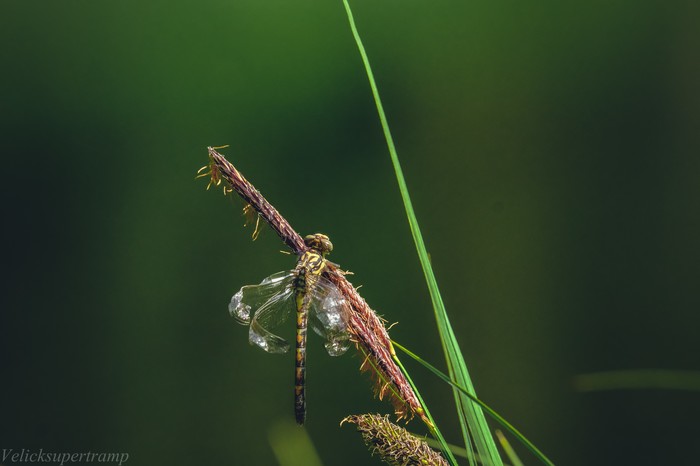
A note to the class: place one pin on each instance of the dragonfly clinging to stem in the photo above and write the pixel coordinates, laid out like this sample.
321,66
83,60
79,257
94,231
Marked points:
315,299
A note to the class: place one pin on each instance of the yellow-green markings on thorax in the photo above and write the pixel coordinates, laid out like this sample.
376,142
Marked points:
308,270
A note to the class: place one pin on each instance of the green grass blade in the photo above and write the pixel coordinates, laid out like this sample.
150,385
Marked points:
471,417
510,453
497,417
446,450
462,453
639,379
455,449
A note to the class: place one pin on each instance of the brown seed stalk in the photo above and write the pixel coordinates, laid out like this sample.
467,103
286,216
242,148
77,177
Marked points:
367,330
394,444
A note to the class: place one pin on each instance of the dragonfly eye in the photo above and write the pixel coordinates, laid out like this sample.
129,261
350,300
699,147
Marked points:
319,242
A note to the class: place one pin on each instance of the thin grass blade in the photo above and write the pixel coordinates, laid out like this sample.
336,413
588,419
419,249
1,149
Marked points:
472,420
639,379
497,417
510,452
434,430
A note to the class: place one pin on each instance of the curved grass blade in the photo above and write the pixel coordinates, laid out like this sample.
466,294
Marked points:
433,428
497,417
639,379
510,453
472,420
456,450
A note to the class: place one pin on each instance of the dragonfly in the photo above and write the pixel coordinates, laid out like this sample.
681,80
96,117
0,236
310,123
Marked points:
314,298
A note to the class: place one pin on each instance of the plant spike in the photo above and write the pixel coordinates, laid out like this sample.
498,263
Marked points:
367,329
394,444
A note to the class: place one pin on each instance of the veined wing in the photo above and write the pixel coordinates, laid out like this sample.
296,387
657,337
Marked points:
249,298
273,313
329,315
271,303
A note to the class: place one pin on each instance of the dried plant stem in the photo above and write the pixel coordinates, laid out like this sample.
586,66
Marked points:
223,169
367,329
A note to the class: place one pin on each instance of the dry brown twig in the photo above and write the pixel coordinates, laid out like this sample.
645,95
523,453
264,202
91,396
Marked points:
366,328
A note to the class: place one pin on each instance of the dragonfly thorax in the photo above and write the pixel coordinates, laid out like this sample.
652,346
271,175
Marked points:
311,263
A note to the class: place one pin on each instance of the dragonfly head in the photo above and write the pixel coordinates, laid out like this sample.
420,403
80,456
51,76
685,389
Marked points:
319,242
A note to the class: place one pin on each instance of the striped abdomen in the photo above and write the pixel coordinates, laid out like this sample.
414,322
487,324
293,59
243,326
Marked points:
303,299
309,268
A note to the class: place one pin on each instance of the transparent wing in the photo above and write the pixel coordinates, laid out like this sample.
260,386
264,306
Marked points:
270,303
275,311
249,298
329,314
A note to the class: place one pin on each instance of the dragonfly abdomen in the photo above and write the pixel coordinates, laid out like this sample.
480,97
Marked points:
303,300
300,370
308,271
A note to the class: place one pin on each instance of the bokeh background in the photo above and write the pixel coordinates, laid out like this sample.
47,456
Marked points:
551,151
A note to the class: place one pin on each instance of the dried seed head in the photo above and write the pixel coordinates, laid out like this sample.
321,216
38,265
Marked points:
394,445
366,328
369,334
251,216
222,169
212,171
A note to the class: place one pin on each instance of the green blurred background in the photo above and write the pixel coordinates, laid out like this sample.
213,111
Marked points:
551,150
